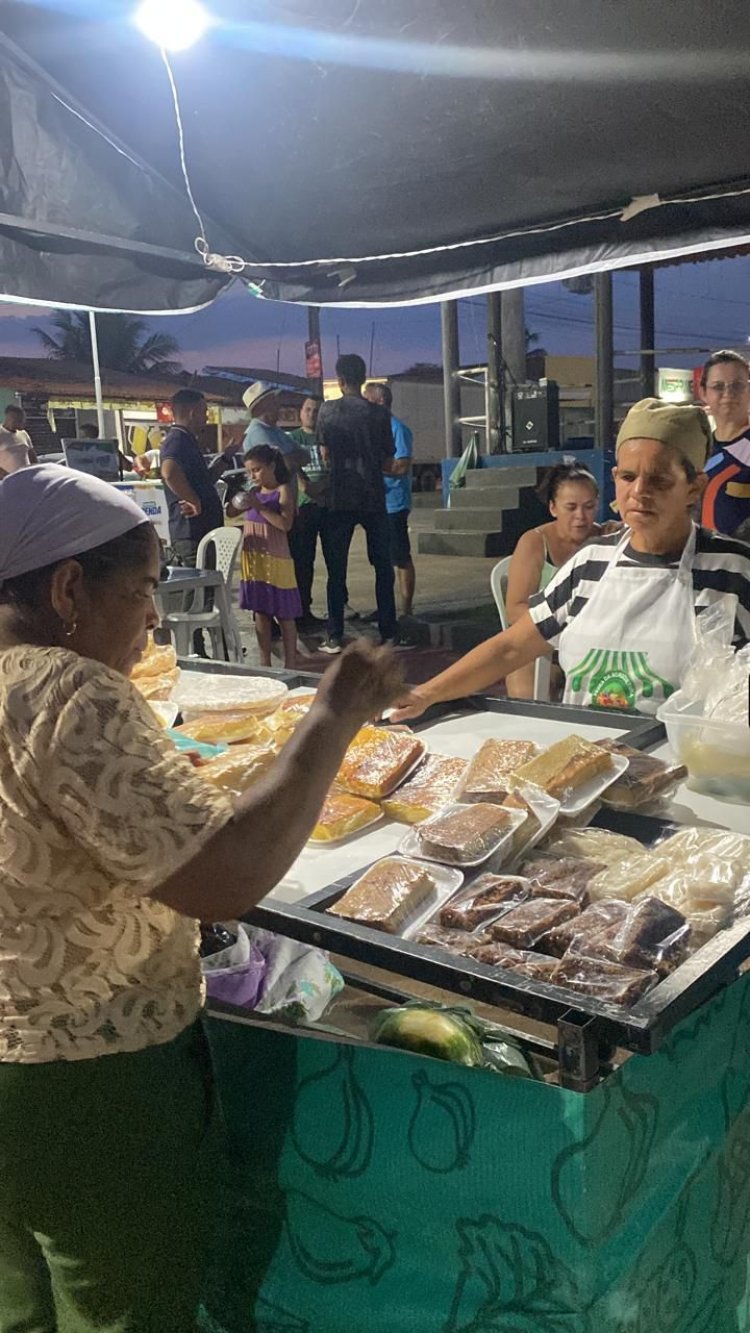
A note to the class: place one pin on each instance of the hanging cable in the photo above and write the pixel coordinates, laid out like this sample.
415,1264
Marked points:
222,263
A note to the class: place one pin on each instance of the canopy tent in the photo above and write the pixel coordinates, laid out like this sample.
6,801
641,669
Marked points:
368,153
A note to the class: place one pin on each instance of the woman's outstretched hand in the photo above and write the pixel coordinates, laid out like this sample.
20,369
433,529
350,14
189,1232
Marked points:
409,704
362,682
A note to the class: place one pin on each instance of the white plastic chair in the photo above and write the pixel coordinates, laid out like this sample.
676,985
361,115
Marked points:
220,621
499,586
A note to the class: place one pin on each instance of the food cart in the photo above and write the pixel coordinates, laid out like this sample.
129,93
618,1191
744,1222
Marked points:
380,1190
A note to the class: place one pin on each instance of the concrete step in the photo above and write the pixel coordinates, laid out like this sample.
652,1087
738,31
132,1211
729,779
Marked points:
478,478
459,543
468,520
492,497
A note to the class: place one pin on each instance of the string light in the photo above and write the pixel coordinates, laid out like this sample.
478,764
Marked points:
173,24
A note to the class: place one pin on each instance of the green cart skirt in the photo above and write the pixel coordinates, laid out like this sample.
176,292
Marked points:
105,1170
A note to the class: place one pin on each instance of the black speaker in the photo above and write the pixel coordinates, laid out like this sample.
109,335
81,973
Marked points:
535,417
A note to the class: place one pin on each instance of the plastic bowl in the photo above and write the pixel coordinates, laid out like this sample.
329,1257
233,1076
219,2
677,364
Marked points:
715,753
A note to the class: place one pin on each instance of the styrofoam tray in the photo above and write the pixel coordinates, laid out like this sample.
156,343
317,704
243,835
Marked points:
447,882
200,692
576,803
411,846
546,809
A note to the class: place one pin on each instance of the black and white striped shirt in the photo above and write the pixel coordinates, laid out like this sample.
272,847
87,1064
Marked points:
721,565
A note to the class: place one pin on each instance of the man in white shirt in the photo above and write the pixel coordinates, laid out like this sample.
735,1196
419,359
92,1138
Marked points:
16,449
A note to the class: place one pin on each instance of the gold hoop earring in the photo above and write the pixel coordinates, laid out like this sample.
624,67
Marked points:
71,629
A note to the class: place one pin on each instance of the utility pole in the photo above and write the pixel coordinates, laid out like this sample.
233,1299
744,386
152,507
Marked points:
97,375
314,352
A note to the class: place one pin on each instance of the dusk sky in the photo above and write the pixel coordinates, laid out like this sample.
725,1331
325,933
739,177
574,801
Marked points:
699,306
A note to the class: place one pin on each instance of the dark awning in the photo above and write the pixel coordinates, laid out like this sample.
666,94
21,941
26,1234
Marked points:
354,153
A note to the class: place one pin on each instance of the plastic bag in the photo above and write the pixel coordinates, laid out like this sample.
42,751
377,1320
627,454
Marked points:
450,1033
488,897
299,982
235,975
469,459
273,975
716,675
651,935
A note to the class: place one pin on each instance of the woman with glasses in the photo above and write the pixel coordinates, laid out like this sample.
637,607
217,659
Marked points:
725,388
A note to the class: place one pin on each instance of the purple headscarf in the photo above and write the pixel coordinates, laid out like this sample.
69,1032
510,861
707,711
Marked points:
49,513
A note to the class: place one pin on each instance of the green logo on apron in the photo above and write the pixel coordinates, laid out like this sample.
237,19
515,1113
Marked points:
618,680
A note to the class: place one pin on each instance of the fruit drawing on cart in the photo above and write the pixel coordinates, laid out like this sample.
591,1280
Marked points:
510,1280
616,679
333,1129
443,1125
331,1248
616,1151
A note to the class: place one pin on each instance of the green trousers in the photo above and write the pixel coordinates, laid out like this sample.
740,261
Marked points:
105,1170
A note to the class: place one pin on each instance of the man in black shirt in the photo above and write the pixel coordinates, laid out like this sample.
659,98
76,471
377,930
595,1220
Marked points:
356,440
194,505
192,499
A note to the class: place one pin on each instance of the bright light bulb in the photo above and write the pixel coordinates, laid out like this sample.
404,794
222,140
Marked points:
172,24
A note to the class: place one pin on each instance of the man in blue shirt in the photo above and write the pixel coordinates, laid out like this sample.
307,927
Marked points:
262,401
398,496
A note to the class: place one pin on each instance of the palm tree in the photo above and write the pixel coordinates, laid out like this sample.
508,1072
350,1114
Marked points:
124,343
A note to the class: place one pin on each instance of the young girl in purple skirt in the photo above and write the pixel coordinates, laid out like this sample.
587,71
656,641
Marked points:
268,585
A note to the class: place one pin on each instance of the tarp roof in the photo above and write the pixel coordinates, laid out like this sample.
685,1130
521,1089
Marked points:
362,153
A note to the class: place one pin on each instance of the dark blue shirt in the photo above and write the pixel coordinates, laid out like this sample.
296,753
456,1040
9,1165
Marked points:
183,447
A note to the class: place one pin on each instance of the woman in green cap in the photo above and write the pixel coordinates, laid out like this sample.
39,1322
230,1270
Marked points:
622,612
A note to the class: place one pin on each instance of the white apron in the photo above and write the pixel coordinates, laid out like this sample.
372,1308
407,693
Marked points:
629,646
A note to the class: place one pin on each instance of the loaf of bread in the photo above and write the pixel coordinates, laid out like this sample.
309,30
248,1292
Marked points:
387,895
592,844
464,834
238,768
601,980
565,766
343,814
378,759
488,896
644,780
454,941
535,966
488,775
628,878
574,934
427,790
567,878
234,727
525,925
158,660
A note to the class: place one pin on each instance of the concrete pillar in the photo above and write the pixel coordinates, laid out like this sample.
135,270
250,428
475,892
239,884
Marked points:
451,382
605,361
495,388
648,332
513,340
